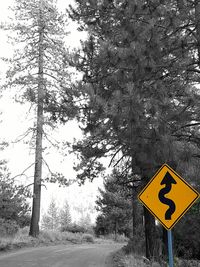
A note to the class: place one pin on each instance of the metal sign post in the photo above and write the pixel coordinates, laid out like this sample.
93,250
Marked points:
170,250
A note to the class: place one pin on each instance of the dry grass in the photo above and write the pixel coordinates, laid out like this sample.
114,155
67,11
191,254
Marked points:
138,261
22,239
122,259
132,261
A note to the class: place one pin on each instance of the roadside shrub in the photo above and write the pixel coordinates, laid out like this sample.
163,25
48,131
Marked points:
5,243
187,263
72,237
21,240
22,237
8,227
46,236
23,231
136,244
73,228
118,238
134,261
121,238
24,221
89,230
187,236
88,238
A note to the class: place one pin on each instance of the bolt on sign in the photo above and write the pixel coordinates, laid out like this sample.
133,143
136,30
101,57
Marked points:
168,196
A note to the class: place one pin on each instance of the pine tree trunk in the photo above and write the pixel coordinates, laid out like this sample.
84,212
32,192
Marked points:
116,230
134,203
134,211
34,227
197,22
150,237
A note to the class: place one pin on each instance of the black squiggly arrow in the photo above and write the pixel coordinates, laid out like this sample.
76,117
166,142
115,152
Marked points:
168,180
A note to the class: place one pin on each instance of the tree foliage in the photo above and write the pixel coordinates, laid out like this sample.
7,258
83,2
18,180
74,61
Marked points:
65,216
140,66
114,205
186,235
137,103
30,18
50,219
13,200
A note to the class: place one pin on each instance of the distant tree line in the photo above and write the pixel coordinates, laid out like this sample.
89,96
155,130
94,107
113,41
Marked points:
55,217
59,218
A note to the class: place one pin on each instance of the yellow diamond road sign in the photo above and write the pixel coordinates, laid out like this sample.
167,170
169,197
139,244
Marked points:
168,196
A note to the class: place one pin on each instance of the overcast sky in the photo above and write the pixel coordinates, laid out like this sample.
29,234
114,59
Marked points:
15,120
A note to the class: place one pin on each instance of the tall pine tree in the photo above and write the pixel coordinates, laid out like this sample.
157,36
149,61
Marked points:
65,216
141,106
50,219
39,71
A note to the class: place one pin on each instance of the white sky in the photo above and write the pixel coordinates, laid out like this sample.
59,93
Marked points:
15,120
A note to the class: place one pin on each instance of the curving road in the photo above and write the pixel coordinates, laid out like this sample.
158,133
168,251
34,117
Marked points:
85,255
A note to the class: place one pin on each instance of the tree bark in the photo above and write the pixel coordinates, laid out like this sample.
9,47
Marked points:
134,210
116,230
150,236
34,227
134,197
197,22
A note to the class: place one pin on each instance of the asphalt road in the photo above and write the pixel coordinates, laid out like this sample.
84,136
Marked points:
86,255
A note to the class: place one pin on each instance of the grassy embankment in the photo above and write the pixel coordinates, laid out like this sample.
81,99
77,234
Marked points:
22,239
121,259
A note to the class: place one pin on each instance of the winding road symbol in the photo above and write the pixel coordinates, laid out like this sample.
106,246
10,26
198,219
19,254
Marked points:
168,196
168,180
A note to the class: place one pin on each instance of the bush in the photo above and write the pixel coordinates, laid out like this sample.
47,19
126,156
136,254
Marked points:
47,236
24,221
23,231
121,238
88,238
136,245
5,244
72,237
187,237
22,239
136,261
73,228
8,227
